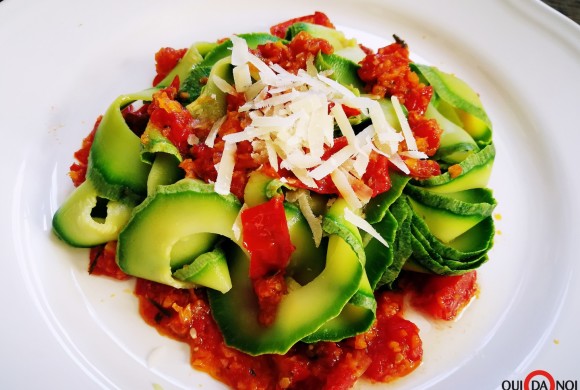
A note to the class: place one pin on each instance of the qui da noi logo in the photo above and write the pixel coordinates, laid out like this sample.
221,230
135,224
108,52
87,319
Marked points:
540,380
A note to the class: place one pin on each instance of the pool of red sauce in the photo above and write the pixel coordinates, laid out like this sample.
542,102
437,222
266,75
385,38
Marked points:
390,349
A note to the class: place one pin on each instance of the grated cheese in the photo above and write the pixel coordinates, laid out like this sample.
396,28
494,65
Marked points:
332,163
223,85
209,141
341,181
362,224
225,169
314,222
407,133
242,78
344,124
240,51
237,226
292,127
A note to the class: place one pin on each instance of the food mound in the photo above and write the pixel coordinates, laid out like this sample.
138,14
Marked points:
280,198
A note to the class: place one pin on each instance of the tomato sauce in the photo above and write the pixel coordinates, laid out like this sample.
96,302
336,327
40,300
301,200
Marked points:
78,170
165,60
171,118
441,297
294,55
319,18
103,261
388,73
396,348
392,347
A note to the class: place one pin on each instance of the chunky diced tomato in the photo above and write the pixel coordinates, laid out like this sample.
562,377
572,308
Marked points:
396,348
294,56
78,170
174,121
422,169
165,60
319,18
442,297
103,261
377,174
266,237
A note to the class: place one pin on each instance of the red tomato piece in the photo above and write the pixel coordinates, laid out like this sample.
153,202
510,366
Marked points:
165,60
175,122
266,237
319,18
349,111
377,174
103,261
443,297
422,169
427,133
78,170
396,350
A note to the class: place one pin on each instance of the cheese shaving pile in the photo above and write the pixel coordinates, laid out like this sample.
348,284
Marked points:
292,125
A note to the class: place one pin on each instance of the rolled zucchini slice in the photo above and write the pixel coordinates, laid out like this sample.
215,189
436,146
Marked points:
170,218
301,312
359,313
74,223
115,167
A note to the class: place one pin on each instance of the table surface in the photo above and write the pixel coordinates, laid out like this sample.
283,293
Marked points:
569,8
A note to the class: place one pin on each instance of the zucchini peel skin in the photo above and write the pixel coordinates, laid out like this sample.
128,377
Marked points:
74,224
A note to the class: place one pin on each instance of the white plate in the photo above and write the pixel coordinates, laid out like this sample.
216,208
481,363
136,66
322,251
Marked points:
63,61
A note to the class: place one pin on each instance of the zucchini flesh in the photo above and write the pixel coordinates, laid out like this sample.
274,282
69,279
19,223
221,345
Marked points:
475,172
208,269
301,312
450,215
164,171
211,103
190,59
172,213
456,143
463,98
115,167
359,313
74,224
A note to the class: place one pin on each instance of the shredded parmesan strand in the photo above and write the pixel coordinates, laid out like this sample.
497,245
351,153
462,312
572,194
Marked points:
333,162
225,169
211,136
314,222
239,51
405,128
237,226
242,78
344,124
223,85
341,181
414,154
362,224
